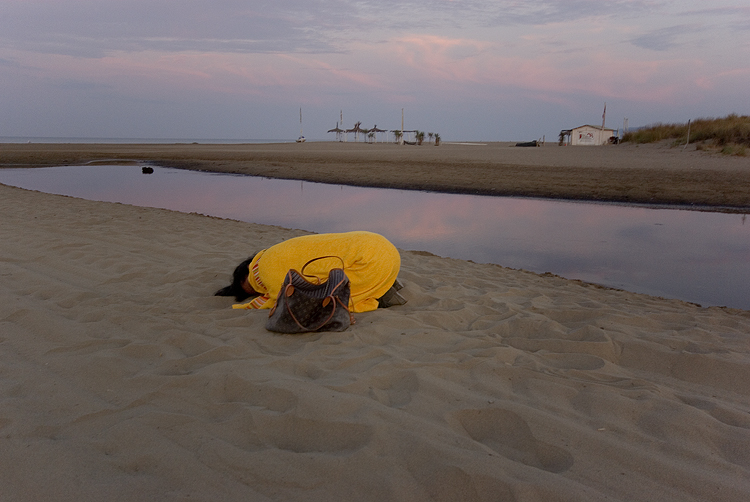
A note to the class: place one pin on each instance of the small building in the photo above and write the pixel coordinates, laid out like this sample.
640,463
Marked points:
588,135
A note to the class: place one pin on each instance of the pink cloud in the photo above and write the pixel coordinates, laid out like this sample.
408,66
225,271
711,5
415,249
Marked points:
334,74
709,82
452,58
551,74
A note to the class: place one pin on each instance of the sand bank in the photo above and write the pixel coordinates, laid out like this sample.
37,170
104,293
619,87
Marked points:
122,378
651,174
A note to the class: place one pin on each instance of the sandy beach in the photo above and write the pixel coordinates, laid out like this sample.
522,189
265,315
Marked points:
122,378
649,174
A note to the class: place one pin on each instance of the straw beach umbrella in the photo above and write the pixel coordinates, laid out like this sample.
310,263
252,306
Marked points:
356,130
338,132
376,131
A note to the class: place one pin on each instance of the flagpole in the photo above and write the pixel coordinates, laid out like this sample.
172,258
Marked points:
401,140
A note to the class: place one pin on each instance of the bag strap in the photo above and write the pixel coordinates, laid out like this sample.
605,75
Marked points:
302,272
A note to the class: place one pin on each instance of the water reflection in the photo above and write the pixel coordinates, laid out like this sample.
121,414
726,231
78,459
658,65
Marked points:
699,257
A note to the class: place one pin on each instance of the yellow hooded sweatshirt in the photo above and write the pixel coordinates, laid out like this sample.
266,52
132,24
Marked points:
369,260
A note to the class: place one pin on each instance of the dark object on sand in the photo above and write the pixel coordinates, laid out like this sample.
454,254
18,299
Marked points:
147,170
528,143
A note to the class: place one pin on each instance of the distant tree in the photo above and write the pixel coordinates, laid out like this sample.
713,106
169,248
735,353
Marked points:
371,135
430,134
398,136
420,136
437,139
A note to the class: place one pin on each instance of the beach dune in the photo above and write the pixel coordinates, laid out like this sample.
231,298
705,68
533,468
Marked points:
123,378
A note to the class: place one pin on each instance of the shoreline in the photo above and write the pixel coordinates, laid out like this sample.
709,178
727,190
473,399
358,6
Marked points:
627,174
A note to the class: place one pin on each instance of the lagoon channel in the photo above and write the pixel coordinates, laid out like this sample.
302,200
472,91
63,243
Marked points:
700,257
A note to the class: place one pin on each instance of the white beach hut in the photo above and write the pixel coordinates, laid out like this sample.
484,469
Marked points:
590,135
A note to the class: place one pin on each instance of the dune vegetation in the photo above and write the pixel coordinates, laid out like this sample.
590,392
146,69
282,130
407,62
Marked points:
730,134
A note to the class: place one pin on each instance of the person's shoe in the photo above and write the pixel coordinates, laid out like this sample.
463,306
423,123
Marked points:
391,298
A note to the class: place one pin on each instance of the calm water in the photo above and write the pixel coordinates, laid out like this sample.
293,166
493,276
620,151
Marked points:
694,256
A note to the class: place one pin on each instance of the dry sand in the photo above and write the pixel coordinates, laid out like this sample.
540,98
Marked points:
649,174
122,378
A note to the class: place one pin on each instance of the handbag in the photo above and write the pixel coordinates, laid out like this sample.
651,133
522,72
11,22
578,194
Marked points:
304,306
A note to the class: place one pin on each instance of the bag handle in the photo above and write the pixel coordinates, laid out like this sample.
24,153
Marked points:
332,298
302,272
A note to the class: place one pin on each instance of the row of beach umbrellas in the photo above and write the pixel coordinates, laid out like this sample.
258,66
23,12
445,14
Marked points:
357,130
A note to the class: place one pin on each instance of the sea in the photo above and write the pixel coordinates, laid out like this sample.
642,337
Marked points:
125,141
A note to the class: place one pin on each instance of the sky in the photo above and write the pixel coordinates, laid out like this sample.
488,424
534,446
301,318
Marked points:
469,70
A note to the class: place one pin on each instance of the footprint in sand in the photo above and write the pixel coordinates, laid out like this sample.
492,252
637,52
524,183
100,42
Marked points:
395,390
236,389
573,361
304,435
510,436
724,415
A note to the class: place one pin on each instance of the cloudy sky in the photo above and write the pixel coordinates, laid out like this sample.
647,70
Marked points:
467,69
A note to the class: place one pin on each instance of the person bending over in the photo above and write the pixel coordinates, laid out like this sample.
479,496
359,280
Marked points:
369,260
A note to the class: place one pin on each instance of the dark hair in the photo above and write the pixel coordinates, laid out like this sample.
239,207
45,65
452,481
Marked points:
238,277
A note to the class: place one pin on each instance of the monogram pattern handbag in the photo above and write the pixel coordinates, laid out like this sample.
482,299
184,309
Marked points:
304,306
